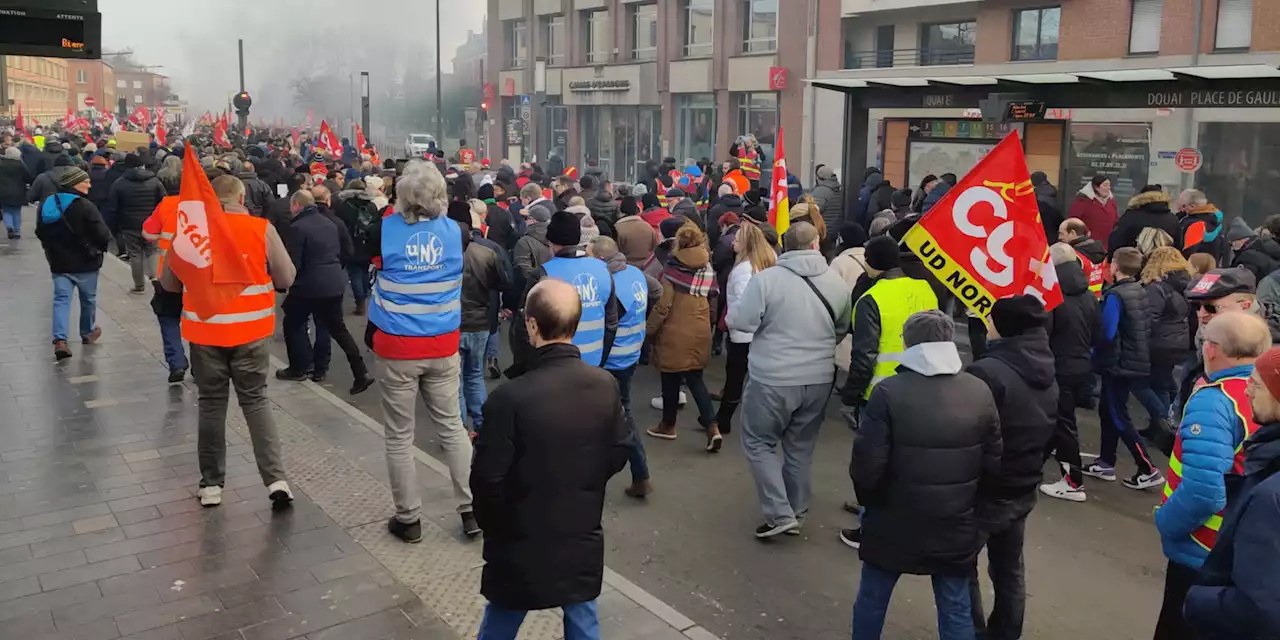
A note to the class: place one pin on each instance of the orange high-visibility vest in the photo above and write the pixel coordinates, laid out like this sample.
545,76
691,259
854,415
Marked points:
1094,272
167,212
1234,387
251,316
750,164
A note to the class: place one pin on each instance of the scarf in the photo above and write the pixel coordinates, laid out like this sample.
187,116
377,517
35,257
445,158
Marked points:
695,282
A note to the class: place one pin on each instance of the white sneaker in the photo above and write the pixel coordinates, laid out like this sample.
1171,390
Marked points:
657,402
210,496
1063,490
279,493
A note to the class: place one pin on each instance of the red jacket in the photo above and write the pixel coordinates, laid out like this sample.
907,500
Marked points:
1099,217
655,217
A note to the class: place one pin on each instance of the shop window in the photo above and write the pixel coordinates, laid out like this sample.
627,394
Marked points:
556,47
1144,28
699,17
696,126
1235,24
1035,33
758,116
948,43
759,26
1121,152
517,39
1241,162
598,41
644,31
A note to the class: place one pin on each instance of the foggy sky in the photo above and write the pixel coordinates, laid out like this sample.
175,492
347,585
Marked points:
195,40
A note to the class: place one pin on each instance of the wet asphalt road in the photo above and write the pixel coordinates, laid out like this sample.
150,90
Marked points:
1092,568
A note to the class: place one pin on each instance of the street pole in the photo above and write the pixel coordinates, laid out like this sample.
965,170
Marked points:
439,97
364,105
244,117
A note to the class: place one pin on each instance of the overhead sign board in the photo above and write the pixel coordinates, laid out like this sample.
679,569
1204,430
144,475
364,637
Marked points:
600,85
1020,110
50,32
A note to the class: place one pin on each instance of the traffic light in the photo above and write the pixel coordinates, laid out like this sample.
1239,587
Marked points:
242,102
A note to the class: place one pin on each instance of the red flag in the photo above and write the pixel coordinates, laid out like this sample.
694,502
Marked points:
204,254
159,114
360,141
309,120
139,116
19,124
329,141
295,139
220,135
779,205
984,239
207,118
160,133
70,120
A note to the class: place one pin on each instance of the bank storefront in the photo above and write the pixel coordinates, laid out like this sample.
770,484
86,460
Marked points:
1136,127
617,115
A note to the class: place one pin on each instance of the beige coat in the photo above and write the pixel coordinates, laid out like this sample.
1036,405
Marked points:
850,264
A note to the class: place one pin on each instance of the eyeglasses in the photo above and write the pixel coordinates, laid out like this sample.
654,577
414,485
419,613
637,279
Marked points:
1210,308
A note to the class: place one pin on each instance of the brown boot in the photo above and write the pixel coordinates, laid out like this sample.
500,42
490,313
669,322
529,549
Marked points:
60,350
714,439
639,490
362,307
93,336
664,430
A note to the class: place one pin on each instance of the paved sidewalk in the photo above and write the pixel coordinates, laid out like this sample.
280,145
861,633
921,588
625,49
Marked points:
101,536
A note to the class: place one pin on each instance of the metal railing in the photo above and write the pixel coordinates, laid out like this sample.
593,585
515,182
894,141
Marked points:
887,58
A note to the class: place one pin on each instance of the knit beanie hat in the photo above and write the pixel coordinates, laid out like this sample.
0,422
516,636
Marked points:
649,201
670,226
71,176
628,206
460,212
1017,315
882,253
901,198
1239,230
485,192
1268,368
564,230
639,190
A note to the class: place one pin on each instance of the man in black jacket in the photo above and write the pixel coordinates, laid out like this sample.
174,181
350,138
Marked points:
1018,368
1260,256
132,199
922,485
539,475
315,243
1074,232
357,212
74,238
1150,209
1074,326
486,274
257,193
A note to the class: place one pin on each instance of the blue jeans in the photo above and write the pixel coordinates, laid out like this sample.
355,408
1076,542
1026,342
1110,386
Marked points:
171,333
491,346
580,622
1157,392
950,595
471,392
13,217
359,276
639,464
63,285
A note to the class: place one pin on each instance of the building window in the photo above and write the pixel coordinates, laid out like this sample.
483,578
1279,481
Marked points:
554,33
137,98
758,115
1235,22
759,26
137,84
81,77
644,31
1144,27
696,126
1035,34
517,37
598,41
949,43
121,84
699,17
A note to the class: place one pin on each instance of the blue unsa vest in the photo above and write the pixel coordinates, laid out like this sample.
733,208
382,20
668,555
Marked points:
591,278
418,290
633,293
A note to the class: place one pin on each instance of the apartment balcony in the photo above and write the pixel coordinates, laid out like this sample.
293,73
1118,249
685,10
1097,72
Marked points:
888,58
863,7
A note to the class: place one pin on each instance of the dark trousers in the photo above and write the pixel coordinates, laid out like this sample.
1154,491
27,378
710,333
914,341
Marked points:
1065,443
1006,534
697,389
1113,409
328,315
735,375
1178,579
977,337
1157,392
639,465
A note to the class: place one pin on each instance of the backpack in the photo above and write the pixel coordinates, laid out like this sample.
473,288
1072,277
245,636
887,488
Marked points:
366,216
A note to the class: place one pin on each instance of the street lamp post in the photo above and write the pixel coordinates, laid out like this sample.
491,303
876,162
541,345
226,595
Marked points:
364,104
439,97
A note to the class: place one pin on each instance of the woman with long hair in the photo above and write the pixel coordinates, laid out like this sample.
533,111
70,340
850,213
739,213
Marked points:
754,254
1165,277
806,210
680,327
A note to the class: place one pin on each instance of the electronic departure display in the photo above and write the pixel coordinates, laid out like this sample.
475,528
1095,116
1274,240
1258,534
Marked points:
1020,110
53,33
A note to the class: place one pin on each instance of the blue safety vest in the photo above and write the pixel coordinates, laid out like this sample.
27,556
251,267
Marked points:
418,290
633,293
591,278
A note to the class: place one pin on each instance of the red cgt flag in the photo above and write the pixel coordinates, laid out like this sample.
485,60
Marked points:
329,141
361,142
779,206
204,256
295,140
220,135
984,239
160,133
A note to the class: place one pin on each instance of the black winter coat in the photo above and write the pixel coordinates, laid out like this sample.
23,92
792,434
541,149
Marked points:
602,205
357,212
1260,256
538,479
315,245
1075,325
257,193
1170,333
14,180
99,185
921,484
133,198
486,271
76,242
1020,373
501,227
1091,249
1146,211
